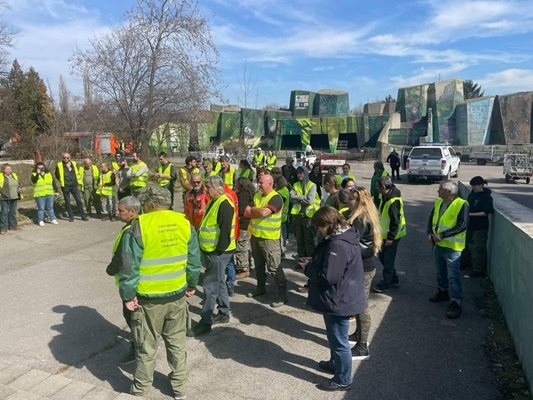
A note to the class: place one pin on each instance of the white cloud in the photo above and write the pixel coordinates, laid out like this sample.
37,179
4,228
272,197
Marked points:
510,80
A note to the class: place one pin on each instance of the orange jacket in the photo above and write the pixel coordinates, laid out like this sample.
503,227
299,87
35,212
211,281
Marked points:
194,206
235,200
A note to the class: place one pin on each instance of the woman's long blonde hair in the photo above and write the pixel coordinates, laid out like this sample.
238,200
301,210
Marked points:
367,212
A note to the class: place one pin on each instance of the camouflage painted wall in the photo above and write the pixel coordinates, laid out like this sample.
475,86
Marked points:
412,102
332,104
271,121
230,125
253,123
472,121
302,103
443,97
515,112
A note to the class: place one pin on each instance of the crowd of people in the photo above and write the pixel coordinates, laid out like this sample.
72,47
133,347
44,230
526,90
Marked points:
238,220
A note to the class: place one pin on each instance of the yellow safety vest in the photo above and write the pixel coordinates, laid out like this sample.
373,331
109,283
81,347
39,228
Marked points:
217,167
311,208
117,242
209,231
448,220
138,181
114,166
258,159
227,177
285,195
61,169
104,190
165,235
265,227
15,177
271,162
385,219
44,185
166,171
246,173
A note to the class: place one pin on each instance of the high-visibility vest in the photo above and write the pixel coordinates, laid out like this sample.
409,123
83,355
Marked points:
186,175
165,236
343,210
311,208
15,177
385,219
245,173
44,185
258,159
271,162
209,231
103,189
115,166
448,220
265,227
166,170
94,172
61,169
285,195
227,177
217,167
138,181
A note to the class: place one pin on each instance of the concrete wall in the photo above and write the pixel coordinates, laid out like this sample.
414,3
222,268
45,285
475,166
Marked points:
511,272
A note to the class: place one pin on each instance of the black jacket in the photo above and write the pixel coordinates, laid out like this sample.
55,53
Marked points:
480,201
336,278
395,211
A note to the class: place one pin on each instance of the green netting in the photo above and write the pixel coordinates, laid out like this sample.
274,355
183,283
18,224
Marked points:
230,125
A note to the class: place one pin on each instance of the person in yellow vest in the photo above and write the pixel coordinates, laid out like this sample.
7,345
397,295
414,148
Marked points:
346,172
271,160
160,267
70,178
379,171
115,164
208,170
393,228
227,173
258,160
90,179
10,189
138,171
106,183
43,193
128,210
446,231
265,229
184,174
305,202
282,187
245,170
166,175
216,236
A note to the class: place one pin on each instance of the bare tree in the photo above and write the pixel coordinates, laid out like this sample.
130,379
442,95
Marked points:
159,63
7,34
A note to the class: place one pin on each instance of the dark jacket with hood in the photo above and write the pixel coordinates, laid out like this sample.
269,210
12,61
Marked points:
480,201
336,277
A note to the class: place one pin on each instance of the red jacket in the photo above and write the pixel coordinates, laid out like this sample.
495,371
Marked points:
194,206
235,200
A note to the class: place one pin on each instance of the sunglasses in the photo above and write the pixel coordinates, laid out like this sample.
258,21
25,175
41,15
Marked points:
196,182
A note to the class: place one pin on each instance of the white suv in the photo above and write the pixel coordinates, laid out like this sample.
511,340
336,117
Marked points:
432,161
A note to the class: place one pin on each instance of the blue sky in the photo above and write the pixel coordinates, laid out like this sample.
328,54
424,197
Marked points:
367,48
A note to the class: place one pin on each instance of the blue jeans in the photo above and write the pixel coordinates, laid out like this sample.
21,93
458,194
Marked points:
215,289
8,216
45,203
341,354
448,263
230,273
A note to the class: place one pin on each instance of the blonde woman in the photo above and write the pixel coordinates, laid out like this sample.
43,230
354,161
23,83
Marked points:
365,219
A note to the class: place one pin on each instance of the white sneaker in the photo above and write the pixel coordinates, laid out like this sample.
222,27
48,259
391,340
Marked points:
41,223
54,221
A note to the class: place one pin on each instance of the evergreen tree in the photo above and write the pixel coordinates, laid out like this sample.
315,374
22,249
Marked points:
472,90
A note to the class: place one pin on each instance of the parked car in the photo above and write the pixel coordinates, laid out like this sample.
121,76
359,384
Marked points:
432,161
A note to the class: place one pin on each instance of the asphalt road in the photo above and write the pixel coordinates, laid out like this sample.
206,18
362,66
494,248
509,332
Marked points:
61,313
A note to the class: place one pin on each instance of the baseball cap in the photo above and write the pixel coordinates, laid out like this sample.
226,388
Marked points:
477,180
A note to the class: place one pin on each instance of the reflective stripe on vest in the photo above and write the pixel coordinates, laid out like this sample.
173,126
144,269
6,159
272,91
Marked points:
44,185
448,220
61,168
266,227
385,219
138,181
310,209
209,231
165,236
165,171
104,190
285,195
